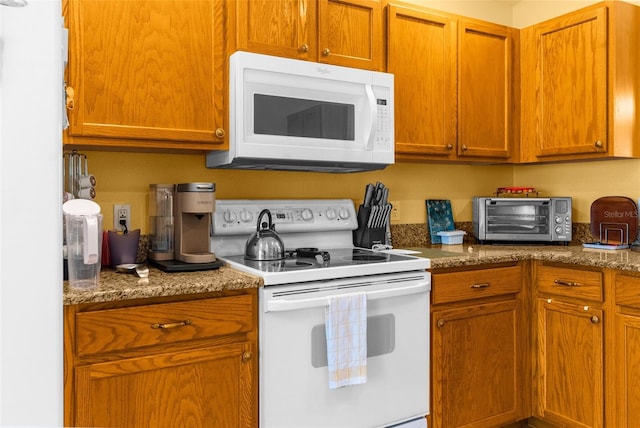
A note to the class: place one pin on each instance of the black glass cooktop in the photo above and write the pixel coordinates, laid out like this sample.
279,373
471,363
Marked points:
319,259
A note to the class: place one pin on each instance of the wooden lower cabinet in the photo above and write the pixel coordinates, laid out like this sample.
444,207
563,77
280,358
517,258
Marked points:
479,343
191,363
627,350
569,343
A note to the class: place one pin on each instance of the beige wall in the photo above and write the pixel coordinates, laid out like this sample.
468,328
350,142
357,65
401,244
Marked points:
124,177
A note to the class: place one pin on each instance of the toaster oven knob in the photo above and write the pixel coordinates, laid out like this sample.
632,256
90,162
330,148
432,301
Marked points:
558,220
559,230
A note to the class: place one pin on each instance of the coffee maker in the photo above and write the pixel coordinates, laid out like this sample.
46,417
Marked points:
193,212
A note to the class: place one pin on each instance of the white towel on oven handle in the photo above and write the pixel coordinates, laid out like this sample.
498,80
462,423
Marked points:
346,330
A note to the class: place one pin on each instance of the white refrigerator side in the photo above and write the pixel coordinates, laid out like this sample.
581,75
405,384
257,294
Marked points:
31,339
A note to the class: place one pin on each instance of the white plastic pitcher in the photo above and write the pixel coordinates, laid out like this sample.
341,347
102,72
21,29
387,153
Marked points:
83,224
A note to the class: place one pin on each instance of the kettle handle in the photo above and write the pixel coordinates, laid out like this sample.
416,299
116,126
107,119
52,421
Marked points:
270,224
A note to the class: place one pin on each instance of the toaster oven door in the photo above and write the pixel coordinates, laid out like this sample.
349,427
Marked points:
517,219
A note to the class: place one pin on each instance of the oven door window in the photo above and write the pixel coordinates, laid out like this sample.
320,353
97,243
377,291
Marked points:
530,219
295,117
380,339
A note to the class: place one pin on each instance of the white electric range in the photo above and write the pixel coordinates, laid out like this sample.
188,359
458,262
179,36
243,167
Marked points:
322,264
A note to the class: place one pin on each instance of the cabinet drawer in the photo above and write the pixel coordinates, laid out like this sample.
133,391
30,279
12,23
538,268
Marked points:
474,284
569,282
628,291
129,328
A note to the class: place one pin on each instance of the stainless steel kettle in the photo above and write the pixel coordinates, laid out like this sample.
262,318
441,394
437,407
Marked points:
264,244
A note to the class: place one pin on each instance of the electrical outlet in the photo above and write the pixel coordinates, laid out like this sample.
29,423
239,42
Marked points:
121,212
395,210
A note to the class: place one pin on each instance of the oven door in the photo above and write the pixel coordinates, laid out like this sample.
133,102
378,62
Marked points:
294,382
518,219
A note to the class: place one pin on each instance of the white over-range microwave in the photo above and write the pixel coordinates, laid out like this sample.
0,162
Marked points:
287,114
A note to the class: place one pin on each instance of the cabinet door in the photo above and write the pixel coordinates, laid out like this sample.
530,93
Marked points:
421,53
475,366
485,103
350,33
150,72
570,364
284,28
208,387
628,369
571,73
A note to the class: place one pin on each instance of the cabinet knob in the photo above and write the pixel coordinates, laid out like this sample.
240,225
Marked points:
304,48
440,323
598,144
449,146
220,133
246,356
464,148
326,52
595,319
70,102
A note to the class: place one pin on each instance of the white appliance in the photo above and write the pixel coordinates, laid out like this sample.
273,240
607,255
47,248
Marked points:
323,264
31,372
289,114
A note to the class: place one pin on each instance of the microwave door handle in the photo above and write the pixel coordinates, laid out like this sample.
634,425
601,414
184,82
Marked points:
282,305
373,114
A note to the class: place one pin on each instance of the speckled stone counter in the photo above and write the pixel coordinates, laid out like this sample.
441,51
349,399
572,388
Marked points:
446,256
122,286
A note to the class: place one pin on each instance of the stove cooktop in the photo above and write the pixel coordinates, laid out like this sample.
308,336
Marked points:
327,264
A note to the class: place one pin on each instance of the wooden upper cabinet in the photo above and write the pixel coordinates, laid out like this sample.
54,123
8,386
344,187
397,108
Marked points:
146,73
453,85
277,27
350,33
421,54
579,74
339,32
485,90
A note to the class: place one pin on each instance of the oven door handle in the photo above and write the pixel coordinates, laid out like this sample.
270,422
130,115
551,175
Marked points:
281,305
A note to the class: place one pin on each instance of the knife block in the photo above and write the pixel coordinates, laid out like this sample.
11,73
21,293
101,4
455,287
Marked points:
364,236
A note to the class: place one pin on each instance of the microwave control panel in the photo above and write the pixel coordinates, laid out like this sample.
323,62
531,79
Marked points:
383,123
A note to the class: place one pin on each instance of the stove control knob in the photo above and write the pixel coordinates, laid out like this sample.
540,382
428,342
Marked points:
229,216
307,214
246,216
344,213
331,214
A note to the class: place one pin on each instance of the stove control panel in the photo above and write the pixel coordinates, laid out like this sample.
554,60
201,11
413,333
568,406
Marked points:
240,216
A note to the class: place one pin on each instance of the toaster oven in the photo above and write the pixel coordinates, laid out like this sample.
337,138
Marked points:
522,220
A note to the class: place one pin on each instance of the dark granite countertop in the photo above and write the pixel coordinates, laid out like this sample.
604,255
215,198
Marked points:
116,286
122,286
444,256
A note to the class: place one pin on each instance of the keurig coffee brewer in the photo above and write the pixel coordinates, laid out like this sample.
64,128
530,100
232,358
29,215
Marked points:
193,211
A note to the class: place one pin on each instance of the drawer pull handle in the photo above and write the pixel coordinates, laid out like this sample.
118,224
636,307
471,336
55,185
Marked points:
566,283
481,285
171,324
246,356
595,319
440,323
